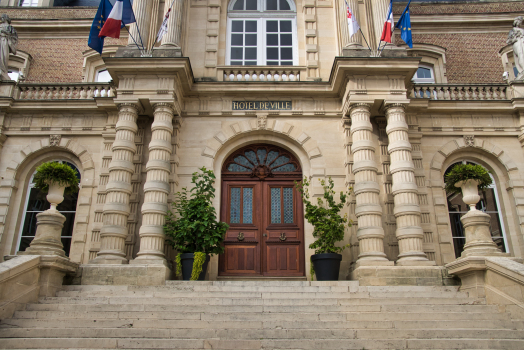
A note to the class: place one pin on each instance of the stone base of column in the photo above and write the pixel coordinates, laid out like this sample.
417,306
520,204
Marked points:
134,274
48,235
360,263
162,51
402,276
114,261
415,263
478,236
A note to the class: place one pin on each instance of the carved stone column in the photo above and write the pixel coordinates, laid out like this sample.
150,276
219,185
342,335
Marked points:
156,188
116,209
406,208
368,210
354,41
174,24
380,11
143,10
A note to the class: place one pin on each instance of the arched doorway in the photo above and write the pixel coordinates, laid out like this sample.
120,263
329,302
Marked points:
264,212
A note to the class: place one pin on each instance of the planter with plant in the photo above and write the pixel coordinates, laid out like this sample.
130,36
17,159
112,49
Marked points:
54,178
328,228
469,178
193,230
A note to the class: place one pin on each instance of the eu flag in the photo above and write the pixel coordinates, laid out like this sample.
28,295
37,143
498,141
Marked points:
404,24
94,42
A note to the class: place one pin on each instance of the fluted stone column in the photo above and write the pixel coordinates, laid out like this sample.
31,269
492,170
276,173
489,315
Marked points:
116,209
143,10
354,41
156,188
368,210
406,208
379,10
174,24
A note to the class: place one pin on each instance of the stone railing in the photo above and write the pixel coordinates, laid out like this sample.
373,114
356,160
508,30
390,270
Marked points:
454,92
261,73
64,91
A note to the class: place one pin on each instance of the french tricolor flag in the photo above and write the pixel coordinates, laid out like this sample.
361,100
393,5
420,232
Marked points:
388,26
121,14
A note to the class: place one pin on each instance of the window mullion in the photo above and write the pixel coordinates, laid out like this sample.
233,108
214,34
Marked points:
261,54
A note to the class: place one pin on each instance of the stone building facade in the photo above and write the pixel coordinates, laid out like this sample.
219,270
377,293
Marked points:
235,78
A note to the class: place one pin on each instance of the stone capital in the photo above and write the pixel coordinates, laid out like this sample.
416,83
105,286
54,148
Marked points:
131,105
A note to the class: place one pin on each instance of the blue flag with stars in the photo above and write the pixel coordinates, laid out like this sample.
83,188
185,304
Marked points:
94,42
404,24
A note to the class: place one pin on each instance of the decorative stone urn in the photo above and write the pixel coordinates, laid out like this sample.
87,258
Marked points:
49,226
476,224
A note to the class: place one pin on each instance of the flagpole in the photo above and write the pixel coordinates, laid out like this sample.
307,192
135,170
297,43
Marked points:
369,47
133,38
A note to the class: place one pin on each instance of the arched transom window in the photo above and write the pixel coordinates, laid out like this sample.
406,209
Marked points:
489,204
36,203
262,32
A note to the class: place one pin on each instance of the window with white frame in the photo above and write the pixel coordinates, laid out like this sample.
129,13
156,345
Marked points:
489,204
13,73
262,32
424,74
103,76
36,203
28,3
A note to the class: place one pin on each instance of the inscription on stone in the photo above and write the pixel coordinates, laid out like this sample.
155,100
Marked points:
261,105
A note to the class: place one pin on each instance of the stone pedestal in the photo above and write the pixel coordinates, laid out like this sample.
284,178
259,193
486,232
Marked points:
47,240
478,236
402,276
134,274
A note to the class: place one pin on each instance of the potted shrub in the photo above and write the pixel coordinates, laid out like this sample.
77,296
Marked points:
54,178
328,229
193,229
469,178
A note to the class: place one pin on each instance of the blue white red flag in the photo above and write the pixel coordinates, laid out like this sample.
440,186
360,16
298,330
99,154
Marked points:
95,41
121,14
352,21
388,25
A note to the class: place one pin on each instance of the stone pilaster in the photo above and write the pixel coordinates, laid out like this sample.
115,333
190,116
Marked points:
157,187
406,208
116,208
368,210
174,24
143,10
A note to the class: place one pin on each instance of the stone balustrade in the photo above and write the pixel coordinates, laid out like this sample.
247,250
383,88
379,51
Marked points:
260,74
454,92
73,91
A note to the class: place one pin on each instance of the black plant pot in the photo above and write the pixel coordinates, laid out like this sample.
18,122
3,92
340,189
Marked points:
327,266
187,266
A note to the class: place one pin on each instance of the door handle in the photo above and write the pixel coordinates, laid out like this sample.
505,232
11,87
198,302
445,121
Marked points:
264,235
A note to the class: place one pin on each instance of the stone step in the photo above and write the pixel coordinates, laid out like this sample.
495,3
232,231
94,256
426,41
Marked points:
273,344
321,315
270,324
268,300
261,333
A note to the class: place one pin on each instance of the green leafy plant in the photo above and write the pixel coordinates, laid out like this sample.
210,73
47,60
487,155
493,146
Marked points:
328,224
198,262
463,172
194,227
56,172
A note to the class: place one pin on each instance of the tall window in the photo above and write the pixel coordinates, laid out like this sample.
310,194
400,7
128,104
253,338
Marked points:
28,3
262,32
36,203
103,76
489,203
424,74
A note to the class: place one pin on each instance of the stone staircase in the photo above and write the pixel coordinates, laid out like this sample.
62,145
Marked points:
261,315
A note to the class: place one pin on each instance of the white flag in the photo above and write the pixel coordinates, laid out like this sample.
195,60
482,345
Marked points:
352,21
163,27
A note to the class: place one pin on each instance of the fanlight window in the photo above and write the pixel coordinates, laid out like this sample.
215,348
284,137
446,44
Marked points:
261,161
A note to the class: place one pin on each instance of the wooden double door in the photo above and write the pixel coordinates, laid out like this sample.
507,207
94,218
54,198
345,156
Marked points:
266,233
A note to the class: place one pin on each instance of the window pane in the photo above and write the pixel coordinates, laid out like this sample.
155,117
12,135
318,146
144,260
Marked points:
236,63
286,40
515,71
275,206
69,203
286,53
251,53
251,26
236,53
251,40
272,39
286,63
288,205
237,39
272,63
103,76
251,4
29,225
272,26
37,201
272,5
285,26
237,26
272,53
423,73
239,5
284,5
250,63
247,215
234,216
